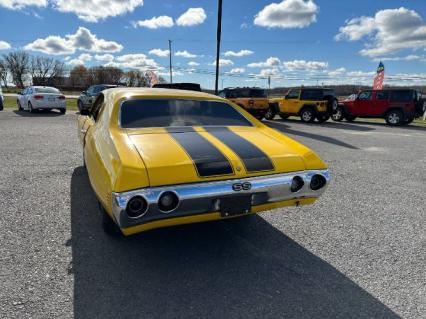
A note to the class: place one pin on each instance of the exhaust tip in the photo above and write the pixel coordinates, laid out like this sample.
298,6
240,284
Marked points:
318,182
168,202
297,184
137,207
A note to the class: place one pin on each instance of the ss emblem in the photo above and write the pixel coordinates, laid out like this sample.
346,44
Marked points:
238,187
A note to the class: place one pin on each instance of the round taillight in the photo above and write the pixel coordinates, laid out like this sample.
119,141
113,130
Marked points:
318,182
297,184
168,202
136,207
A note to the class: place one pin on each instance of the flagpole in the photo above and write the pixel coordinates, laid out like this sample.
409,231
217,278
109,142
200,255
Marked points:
219,35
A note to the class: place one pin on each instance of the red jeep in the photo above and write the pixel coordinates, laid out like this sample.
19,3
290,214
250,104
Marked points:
396,106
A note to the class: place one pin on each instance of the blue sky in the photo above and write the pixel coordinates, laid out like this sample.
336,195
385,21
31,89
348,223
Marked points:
293,41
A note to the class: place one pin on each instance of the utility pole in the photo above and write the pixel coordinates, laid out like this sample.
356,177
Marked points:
219,35
269,82
170,64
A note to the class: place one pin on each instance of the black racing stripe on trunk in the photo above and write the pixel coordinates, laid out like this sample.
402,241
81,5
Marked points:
254,159
208,160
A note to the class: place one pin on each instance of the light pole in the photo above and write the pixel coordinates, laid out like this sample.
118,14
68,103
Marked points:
170,63
219,35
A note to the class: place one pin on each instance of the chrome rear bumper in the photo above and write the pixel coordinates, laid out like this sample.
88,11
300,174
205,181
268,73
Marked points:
202,198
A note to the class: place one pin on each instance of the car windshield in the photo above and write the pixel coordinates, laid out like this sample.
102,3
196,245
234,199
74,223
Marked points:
175,112
46,90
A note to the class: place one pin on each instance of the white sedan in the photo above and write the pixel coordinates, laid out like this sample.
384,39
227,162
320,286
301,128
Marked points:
41,98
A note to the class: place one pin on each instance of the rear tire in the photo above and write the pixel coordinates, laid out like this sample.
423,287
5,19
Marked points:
30,106
63,111
79,105
307,115
338,115
270,114
108,225
394,118
350,118
322,118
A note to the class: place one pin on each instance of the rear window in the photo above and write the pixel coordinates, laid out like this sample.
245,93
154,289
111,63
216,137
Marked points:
46,90
172,113
247,93
312,95
402,96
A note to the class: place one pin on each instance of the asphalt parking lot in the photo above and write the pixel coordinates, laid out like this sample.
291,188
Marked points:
360,252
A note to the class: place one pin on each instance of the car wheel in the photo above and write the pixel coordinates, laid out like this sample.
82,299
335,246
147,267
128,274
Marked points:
350,118
307,115
30,106
108,225
394,117
79,105
284,117
1,105
63,111
323,118
19,106
270,114
338,115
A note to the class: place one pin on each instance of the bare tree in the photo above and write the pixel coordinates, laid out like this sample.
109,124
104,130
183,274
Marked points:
3,72
46,71
105,75
79,77
17,64
135,78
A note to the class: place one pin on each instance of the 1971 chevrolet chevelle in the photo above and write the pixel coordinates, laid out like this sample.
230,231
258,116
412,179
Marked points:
158,158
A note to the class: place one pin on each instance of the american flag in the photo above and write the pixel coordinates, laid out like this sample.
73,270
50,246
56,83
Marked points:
380,76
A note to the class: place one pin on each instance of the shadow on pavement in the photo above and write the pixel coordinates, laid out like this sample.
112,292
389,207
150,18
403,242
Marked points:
43,113
242,268
282,127
330,124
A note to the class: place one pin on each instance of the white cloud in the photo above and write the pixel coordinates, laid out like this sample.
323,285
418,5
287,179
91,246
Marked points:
95,10
270,62
193,63
389,31
287,14
81,60
223,62
4,45
155,22
237,71
185,54
337,72
240,53
104,57
193,16
160,53
302,65
269,72
135,61
83,40
20,4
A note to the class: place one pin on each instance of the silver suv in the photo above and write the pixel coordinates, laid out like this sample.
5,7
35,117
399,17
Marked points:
86,98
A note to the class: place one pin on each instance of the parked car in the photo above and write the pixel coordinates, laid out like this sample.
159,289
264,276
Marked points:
157,159
35,98
253,100
1,99
308,103
396,106
179,86
86,98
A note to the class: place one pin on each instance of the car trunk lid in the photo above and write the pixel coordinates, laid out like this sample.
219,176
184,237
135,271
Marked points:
198,154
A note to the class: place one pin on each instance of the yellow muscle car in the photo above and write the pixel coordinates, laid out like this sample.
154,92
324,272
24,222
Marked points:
158,157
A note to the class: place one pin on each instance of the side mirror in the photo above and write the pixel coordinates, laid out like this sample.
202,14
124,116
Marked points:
85,112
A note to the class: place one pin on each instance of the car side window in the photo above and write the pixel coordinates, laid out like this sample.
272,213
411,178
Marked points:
364,96
382,96
97,107
90,90
293,95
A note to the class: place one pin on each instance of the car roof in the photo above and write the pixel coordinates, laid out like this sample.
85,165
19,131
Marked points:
126,92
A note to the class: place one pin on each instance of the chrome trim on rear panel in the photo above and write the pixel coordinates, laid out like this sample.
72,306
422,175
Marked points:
202,198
